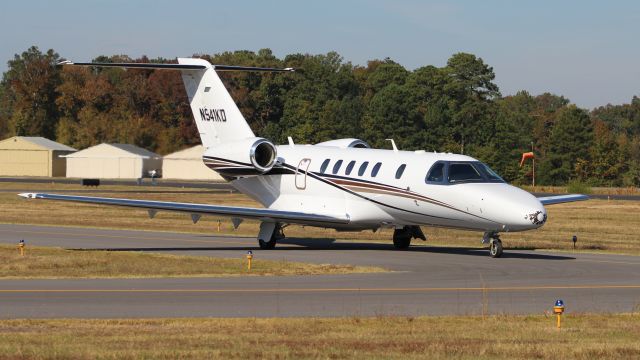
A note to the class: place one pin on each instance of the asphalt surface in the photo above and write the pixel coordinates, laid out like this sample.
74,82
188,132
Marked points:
424,280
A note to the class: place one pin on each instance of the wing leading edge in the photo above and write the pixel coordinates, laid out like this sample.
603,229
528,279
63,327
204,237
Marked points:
550,200
262,214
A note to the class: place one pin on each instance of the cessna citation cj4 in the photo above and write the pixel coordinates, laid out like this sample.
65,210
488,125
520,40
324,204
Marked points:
340,184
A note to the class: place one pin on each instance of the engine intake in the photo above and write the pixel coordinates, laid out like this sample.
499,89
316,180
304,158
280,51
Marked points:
263,155
246,157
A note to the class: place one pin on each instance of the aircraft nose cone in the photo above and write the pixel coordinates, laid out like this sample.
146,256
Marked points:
537,217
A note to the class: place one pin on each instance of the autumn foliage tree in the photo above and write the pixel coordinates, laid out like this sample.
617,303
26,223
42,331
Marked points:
456,108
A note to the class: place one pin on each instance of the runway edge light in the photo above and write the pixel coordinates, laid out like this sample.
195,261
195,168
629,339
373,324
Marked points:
21,247
249,258
558,309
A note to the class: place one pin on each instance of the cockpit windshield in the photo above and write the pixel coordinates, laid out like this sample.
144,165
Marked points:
457,172
489,173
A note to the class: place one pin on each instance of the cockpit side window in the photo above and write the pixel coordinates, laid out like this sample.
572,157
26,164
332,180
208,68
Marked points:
461,172
436,173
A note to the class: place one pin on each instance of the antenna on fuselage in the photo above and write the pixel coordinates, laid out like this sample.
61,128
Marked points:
393,144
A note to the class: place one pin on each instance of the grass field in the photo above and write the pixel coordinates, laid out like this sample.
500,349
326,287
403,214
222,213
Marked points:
497,337
601,225
593,190
47,262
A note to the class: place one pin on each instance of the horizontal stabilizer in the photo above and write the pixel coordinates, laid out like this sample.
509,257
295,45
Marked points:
558,199
289,217
176,66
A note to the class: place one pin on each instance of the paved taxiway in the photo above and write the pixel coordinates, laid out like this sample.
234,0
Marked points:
425,280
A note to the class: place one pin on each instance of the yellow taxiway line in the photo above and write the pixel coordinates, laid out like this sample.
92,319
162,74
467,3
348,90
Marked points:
294,290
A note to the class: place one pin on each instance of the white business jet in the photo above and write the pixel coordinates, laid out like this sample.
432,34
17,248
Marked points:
340,184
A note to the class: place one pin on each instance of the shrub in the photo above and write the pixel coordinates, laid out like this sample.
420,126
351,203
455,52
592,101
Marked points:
578,187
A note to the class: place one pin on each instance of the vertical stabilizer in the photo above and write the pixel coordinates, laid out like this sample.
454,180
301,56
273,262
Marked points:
216,114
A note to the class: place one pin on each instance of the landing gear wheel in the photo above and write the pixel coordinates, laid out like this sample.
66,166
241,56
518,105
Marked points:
267,245
402,243
495,248
402,238
271,231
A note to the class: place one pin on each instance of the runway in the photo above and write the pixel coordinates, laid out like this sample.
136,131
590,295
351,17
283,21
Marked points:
423,280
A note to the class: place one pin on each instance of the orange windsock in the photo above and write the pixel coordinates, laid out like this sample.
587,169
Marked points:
525,156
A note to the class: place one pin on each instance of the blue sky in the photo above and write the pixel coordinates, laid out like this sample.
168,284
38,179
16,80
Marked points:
584,50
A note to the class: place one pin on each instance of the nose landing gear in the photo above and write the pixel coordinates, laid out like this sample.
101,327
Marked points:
495,244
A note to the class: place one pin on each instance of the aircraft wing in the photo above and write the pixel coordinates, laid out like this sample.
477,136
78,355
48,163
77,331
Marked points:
558,199
196,210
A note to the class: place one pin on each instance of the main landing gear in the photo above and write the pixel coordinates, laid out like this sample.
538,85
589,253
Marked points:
269,235
402,236
495,245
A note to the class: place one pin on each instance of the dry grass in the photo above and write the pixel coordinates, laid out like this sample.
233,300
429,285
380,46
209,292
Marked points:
498,337
594,190
600,225
47,262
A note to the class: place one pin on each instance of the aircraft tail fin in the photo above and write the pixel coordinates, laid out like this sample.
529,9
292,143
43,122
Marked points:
216,114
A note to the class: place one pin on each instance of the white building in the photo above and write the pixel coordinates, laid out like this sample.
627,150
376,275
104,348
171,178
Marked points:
187,165
32,156
113,161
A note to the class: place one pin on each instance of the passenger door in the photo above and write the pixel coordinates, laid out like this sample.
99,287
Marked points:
301,173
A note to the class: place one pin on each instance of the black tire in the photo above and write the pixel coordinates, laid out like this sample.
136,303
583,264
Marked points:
267,245
402,243
401,238
495,249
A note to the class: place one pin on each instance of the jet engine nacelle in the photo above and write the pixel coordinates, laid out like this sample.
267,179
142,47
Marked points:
345,143
252,156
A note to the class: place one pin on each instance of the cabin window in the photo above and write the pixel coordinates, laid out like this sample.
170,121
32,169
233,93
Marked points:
400,171
336,167
324,165
375,169
436,174
461,172
350,166
363,168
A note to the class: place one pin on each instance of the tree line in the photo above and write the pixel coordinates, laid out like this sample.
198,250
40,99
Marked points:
454,108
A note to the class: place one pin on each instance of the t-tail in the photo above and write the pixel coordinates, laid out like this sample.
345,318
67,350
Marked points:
217,116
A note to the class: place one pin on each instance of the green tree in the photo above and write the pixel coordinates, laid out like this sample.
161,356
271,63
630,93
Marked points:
569,144
391,114
607,162
470,92
383,73
512,137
